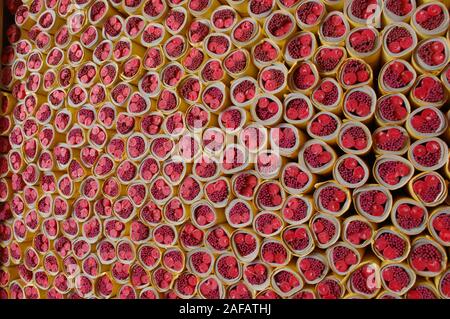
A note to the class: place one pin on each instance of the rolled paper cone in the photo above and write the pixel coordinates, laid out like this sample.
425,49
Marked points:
291,268
419,144
98,249
186,22
197,11
436,68
166,199
150,10
442,193
312,27
427,240
76,22
8,122
373,280
282,39
206,160
441,283
332,219
348,125
254,37
273,172
186,212
249,69
257,228
340,162
366,91
23,19
276,117
220,215
437,215
385,89
334,40
331,183
395,232
380,120
231,131
405,54
409,202
123,50
422,32
282,89
19,69
291,98
290,60
282,194
237,201
36,61
306,251
112,291
205,281
193,84
330,138
392,158
199,38
106,57
359,252
224,12
326,168
236,193
313,71
390,17
227,281
373,20
335,107
225,100
253,255
337,5
384,130
357,219
341,74
147,39
333,278
270,240
372,57
292,151
260,64
416,89
307,187
129,244
183,43
214,55
224,202
191,267
318,256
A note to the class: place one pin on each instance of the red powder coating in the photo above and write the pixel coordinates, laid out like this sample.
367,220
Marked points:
372,202
358,232
269,195
295,209
236,62
399,8
228,267
327,94
396,75
343,258
189,188
194,59
223,19
273,252
175,19
358,103
393,109
350,171
245,243
332,198
354,138
210,289
354,72
231,119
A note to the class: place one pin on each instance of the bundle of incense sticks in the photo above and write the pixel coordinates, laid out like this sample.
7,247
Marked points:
215,149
